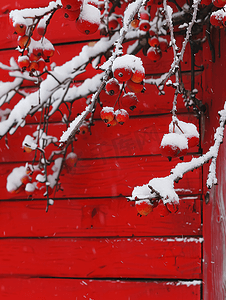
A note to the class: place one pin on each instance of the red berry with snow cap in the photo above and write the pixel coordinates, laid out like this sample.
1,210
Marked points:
154,54
113,23
216,18
121,116
153,41
219,3
129,101
89,19
173,145
112,87
107,114
23,62
144,207
163,44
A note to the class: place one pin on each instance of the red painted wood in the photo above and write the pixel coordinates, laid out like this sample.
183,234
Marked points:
138,136
96,217
102,257
35,288
112,177
214,232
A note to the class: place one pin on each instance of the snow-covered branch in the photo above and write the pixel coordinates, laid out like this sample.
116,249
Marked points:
164,187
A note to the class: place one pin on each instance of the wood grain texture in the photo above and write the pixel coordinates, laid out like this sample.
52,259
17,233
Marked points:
72,289
99,217
138,136
102,257
112,177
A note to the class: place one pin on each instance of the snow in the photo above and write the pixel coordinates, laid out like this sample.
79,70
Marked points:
175,140
128,61
90,13
14,178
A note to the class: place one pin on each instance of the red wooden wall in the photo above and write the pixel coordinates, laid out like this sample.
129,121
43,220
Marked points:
214,93
91,244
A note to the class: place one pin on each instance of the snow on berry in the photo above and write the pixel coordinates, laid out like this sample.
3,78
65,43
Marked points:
175,140
14,179
128,61
107,114
121,116
144,207
173,145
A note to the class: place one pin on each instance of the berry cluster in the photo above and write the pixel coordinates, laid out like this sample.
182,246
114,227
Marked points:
34,54
180,138
157,44
85,14
128,71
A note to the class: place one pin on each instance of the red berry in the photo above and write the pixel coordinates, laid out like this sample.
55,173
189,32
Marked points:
129,101
154,54
41,30
37,51
153,41
162,209
123,74
23,62
173,145
121,116
107,114
33,66
71,160
219,3
20,29
24,41
216,18
135,23
144,15
144,207
48,52
89,19
41,65
144,25
163,44
84,128
112,87
134,87
112,123
138,76
112,24
33,57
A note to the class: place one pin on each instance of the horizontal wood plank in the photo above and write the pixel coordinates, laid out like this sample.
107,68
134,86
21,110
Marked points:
138,136
102,257
61,289
112,177
99,217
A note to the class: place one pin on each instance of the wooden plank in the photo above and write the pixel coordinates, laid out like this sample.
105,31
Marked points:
112,177
138,136
99,217
61,289
102,257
